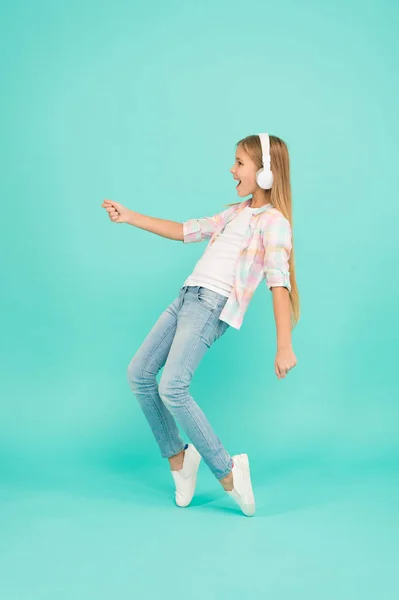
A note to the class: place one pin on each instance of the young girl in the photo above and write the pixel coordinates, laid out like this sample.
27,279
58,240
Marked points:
249,241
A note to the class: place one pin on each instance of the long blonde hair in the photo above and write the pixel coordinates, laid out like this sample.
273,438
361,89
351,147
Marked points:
280,197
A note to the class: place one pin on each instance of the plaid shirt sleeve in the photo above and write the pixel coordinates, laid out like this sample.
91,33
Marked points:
198,230
278,245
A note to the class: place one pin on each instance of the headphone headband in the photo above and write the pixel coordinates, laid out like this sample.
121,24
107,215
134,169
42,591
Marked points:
264,175
265,143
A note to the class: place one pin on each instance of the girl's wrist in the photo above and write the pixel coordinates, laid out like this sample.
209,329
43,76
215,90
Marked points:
284,345
131,216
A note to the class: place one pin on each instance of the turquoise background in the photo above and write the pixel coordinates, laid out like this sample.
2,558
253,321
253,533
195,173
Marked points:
143,103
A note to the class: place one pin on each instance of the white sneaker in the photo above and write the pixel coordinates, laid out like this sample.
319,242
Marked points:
242,492
186,478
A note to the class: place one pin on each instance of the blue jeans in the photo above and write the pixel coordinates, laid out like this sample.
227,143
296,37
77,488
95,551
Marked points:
178,341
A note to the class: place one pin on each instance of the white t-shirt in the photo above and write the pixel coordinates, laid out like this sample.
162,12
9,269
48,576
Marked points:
216,268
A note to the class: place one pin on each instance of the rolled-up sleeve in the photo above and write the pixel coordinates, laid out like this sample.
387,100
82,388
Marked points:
277,240
198,230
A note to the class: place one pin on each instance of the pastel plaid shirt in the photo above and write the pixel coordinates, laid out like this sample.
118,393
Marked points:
264,253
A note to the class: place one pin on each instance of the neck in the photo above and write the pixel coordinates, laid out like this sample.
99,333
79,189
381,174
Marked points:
260,198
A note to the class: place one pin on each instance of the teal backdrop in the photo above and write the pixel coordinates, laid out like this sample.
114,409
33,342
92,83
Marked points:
143,103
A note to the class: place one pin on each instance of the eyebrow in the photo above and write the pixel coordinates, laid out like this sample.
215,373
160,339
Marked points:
239,158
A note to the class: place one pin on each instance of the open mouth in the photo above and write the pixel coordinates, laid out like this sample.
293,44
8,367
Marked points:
239,182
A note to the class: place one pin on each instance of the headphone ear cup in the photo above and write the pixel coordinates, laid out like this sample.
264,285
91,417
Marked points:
264,179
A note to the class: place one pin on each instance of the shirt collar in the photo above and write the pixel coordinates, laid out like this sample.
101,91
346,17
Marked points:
259,210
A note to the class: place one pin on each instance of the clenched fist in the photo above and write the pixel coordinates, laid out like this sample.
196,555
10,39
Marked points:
116,212
284,362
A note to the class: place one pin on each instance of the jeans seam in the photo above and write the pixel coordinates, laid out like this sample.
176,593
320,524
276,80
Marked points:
184,370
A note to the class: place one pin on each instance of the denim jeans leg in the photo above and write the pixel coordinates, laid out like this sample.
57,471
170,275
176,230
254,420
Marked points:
198,327
142,372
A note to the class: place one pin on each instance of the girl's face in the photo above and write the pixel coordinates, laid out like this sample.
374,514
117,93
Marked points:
244,170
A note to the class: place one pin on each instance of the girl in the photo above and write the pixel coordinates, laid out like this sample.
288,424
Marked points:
249,241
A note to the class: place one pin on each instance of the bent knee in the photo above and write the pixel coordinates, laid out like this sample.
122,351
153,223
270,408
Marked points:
173,392
135,371
139,372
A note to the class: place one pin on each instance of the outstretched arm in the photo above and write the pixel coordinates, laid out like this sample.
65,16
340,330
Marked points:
120,214
168,229
192,230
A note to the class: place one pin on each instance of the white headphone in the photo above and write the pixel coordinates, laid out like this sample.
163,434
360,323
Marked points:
264,177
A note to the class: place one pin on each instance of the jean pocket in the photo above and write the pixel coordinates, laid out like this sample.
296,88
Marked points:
209,299
222,328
